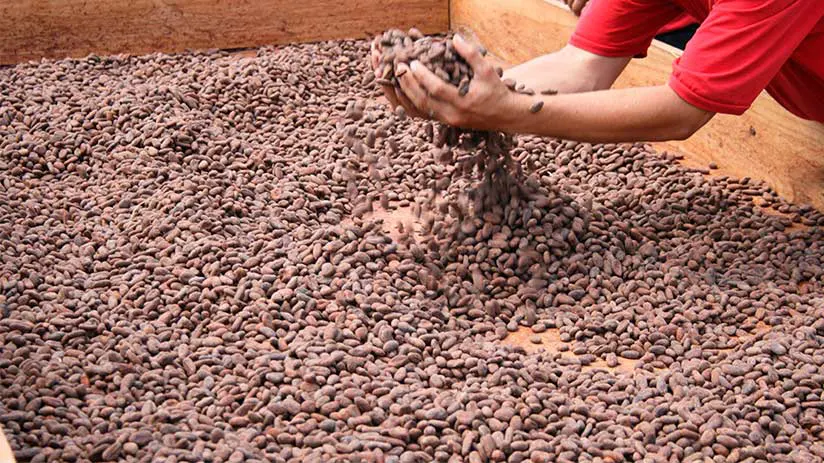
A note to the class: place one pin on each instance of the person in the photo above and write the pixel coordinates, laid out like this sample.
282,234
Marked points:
741,48
676,32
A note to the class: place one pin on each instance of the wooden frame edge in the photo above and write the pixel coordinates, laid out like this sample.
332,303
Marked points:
76,28
6,454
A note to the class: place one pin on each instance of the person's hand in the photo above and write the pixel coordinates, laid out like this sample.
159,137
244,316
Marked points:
394,97
482,108
577,6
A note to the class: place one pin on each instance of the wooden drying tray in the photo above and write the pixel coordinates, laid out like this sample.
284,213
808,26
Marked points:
766,143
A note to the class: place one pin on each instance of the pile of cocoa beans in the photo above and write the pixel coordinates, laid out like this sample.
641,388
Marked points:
187,273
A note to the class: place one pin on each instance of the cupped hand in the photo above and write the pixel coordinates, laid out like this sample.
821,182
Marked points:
481,108
392,94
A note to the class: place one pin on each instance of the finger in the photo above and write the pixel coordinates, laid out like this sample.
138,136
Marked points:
578,6
390,94
472,56
374,54
421,102
412,96
439,110
423,105
432,84
410,108
412,89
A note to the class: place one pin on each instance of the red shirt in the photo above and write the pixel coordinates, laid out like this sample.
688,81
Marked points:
683,20
678,23
741,48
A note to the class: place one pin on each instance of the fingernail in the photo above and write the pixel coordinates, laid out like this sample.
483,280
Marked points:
460,38
414,65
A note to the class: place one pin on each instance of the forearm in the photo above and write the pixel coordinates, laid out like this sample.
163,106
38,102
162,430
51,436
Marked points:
625,115
569,70
637,114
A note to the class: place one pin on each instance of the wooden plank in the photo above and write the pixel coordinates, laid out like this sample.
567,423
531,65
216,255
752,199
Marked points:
766,143
33,29
6,455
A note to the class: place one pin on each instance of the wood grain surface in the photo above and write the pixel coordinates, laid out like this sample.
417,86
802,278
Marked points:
33,29
6,455
766,143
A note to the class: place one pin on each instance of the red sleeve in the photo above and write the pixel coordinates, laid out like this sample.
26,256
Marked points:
738,50
622,27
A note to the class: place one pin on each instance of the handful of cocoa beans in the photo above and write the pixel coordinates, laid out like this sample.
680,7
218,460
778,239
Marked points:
482,156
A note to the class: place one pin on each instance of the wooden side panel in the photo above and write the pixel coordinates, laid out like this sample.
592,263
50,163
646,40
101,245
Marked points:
32,29
6,455
766,143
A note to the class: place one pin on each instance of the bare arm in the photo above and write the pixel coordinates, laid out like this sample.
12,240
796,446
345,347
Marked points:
624,115
634,114
568,70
